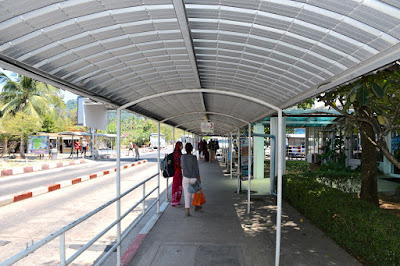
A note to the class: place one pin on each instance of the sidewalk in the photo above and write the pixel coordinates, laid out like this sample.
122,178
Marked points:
223,234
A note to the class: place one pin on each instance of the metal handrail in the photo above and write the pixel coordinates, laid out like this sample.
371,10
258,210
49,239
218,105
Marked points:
112,249
66,228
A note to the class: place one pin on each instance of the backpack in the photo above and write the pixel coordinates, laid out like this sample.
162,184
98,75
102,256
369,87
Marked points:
167,166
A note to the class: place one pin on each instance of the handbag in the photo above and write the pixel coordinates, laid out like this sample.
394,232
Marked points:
193,188
198,199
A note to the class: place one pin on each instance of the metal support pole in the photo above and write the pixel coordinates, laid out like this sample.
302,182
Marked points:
92,144
279,194
118,181
249,172
173,137
226,152
238,173
230,150
158,168
62,250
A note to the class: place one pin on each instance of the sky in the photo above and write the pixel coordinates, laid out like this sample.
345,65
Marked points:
69,96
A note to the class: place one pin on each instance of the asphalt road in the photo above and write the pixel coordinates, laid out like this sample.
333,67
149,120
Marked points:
33,219
25,182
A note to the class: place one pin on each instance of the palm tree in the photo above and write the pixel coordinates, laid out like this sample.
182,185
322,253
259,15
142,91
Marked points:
34,98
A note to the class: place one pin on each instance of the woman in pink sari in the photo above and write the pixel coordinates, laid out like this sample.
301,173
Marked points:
177,179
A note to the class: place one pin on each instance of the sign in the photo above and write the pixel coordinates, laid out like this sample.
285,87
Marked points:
38,144
207,127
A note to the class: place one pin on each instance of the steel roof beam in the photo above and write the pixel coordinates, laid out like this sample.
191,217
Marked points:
183,22
214,91
211,113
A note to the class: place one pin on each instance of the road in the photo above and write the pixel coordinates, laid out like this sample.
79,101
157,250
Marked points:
33,219
25,182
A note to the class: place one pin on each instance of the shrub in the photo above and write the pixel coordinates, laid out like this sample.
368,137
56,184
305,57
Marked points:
345,181
297,167
370,234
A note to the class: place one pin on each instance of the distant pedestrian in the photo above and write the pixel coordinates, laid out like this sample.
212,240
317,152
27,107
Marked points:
84,147
211,147
177,179
130,147
202,146
137,155
77,147
50,148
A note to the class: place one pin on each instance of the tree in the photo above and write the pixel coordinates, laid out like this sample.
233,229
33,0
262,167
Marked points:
23,125
30,96
48,125
71,104
371,106
23,95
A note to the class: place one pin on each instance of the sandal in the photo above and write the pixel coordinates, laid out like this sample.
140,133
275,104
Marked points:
177,206
197,208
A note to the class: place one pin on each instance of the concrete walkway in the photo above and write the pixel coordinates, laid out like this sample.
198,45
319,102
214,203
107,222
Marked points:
223,234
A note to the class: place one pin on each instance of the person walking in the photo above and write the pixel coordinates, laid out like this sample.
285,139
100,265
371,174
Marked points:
191,174
130,147
211,147
84,148
137,155
77,148
177,179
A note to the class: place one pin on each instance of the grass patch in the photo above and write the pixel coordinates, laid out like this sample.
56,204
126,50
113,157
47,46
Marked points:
370,234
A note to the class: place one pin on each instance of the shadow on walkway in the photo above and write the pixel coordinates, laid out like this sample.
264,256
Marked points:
223,234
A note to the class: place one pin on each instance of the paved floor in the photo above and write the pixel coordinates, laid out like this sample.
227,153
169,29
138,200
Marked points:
223,234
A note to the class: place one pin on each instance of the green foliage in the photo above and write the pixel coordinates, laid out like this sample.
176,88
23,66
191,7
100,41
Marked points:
29,96
346,181
334,155
296,167
22,124
370,234
307,104
48,125
138,129
71,105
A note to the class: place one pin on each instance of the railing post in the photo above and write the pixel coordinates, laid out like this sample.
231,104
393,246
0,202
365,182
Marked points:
62,250
158,168
118,181
144,198
166,190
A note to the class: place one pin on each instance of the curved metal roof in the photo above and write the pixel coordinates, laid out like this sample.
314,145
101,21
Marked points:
277,51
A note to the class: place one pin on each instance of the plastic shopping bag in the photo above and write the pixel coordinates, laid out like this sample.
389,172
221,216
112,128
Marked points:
198,199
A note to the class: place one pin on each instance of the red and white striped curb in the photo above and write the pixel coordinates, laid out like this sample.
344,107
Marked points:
36,168
49,188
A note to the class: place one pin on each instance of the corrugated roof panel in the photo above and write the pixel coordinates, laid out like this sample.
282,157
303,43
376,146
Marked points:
14,28
271,50
281,8
343,7
371,15
81,8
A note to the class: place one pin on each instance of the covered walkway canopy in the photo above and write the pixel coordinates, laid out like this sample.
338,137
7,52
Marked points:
174,57
184,61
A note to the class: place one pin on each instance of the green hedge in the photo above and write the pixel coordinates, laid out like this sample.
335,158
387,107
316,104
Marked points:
349,182
365,231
